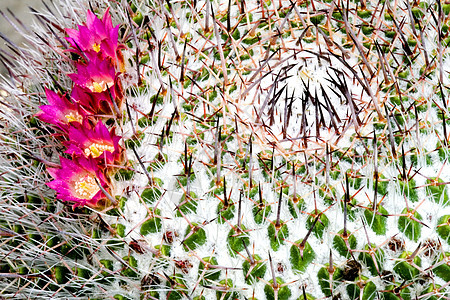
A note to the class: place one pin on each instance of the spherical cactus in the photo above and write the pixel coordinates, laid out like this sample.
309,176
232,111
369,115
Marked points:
227,150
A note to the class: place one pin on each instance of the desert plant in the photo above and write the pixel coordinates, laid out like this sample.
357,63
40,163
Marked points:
227,150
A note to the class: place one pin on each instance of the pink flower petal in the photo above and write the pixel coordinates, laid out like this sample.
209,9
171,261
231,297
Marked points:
76,182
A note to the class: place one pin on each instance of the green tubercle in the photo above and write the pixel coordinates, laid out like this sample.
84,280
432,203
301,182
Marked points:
223,291
296,206
163,250
153,222
225,212
187,206
121,297
405,269
299,263
443,228
340,245
409,190
206,273
261,211
124,174
316,20
281,292
437,189
217,188
194,239
236,239
368,256
277,235
434,290
410,227
328,282
182,181
106,265
150,195
321,224
308,297
369,289
120,229
377,220
255,270
442,266
71,251
177,287
129,271
61,274
382,186
352,209
393,292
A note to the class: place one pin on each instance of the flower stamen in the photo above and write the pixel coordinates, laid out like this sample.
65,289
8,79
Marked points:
96,149
96,47
74,117
86,187
98,87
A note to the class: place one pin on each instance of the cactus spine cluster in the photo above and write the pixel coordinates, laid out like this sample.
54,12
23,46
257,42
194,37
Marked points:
268,150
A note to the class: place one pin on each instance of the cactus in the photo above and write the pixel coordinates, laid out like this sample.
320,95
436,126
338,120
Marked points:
227,150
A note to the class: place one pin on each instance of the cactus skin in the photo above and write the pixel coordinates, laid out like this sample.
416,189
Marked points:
246,129
194,237
210,274
442,268
362,285
255,270
373,259
438,192
377,221
411,227
404,269
280,292
443,228
339,243
327,286
301,259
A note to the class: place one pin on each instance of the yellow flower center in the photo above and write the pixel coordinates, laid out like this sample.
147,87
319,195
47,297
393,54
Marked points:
86,187
98,87
96,47
95,149
74,117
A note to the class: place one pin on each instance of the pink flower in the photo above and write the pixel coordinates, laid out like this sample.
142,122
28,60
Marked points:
97,143
94,103
76,182
61,111
97,75
98,37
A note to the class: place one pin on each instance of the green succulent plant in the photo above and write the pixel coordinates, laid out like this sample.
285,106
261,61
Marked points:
271,150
